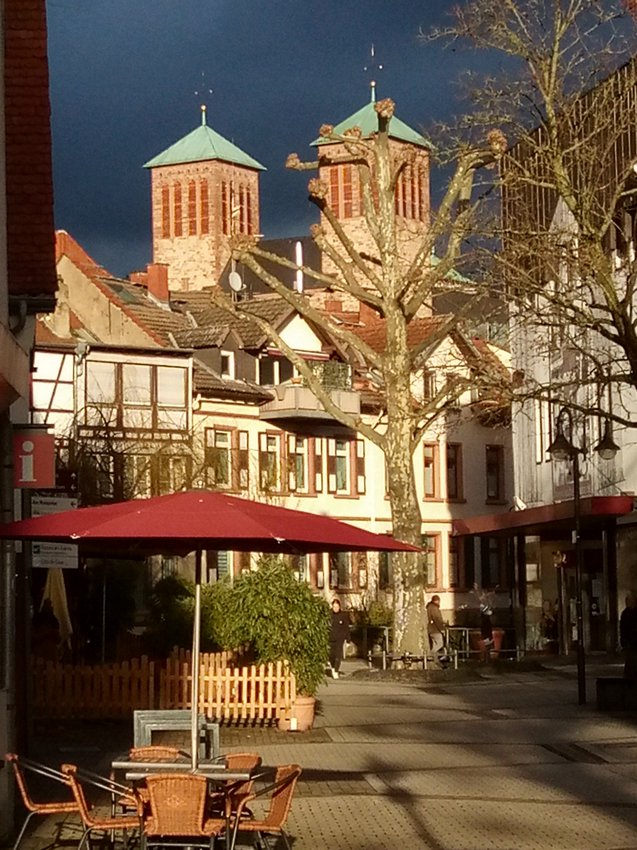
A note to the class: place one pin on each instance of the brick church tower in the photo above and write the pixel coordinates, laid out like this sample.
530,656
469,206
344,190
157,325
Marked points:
204,189
339,172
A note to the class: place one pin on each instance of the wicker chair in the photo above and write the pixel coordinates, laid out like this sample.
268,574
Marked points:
155,752
21,766
224,803
95,818
281,792
177,812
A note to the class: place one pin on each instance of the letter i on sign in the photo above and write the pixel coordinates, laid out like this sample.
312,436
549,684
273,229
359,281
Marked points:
27,468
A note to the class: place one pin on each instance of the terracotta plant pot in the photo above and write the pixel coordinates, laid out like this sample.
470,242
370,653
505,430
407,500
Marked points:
300,717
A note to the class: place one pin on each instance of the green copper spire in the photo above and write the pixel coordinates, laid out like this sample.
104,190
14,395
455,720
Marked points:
367,119
201,145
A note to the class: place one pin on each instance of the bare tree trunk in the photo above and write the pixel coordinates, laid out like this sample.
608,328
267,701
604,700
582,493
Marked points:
405,509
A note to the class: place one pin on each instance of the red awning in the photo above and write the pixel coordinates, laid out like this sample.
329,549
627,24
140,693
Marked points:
532,520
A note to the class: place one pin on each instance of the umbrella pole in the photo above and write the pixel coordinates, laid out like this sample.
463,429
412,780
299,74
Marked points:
196,637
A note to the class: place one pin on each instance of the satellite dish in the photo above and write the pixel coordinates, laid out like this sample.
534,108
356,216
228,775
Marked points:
235,282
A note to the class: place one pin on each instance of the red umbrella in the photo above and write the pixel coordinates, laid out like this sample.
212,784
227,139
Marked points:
190,522
198,519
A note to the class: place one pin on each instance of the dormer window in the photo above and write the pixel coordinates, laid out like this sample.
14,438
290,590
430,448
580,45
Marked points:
227,364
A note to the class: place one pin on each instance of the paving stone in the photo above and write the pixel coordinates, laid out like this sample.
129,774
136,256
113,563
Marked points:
505,762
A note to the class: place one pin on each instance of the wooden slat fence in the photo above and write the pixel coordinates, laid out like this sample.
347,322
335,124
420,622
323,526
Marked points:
214,660
227,694
230,694
100,690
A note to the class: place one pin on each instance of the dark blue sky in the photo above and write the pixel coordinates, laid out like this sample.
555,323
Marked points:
124,75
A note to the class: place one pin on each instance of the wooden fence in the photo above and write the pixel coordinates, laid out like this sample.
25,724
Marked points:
230,694
97,691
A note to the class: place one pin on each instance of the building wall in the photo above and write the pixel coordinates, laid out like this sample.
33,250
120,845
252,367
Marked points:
410,228
197,260
98,312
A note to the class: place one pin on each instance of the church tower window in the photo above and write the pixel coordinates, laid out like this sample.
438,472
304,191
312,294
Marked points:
225,209
204,207
192,208
178,227
165,212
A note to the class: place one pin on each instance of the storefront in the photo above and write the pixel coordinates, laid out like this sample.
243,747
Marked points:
545,589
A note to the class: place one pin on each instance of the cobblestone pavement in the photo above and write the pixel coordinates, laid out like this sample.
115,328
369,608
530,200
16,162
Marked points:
504,761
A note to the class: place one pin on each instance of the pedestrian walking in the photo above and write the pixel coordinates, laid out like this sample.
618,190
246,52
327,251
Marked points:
435,629
628,636
339,633
486,612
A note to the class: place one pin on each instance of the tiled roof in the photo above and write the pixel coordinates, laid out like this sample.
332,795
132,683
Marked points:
375,333
208,382
208,316
29,181
201,145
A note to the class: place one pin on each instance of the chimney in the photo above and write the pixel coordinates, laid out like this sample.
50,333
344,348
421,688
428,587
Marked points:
333,305
157,281
367,315
140,278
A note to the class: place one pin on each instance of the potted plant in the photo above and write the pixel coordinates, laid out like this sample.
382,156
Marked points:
279,618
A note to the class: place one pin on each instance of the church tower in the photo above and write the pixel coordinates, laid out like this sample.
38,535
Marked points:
338,171
204,189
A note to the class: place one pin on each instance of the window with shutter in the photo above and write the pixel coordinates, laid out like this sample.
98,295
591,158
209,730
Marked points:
269,462
243,460
431,471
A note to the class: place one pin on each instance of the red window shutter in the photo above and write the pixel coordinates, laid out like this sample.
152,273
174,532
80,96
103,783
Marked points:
318,464
360,467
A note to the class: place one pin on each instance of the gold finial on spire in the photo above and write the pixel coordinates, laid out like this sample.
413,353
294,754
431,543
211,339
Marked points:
202,91
372,67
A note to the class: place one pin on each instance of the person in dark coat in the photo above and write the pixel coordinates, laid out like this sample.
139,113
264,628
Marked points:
339,633
628,636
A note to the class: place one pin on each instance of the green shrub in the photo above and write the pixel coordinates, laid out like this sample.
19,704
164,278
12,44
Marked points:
279,618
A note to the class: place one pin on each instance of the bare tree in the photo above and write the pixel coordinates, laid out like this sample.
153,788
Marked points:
566,100
397,285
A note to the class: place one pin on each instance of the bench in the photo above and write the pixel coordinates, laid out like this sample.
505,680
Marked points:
147,721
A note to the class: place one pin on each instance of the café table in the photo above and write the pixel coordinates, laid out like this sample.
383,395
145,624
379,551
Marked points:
215,771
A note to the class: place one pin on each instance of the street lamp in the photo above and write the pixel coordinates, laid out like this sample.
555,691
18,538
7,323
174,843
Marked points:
562,448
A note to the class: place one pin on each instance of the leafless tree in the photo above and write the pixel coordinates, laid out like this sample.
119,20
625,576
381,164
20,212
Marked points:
566,98
397,286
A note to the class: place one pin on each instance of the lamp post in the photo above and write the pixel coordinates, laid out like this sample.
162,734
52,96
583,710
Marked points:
563,448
